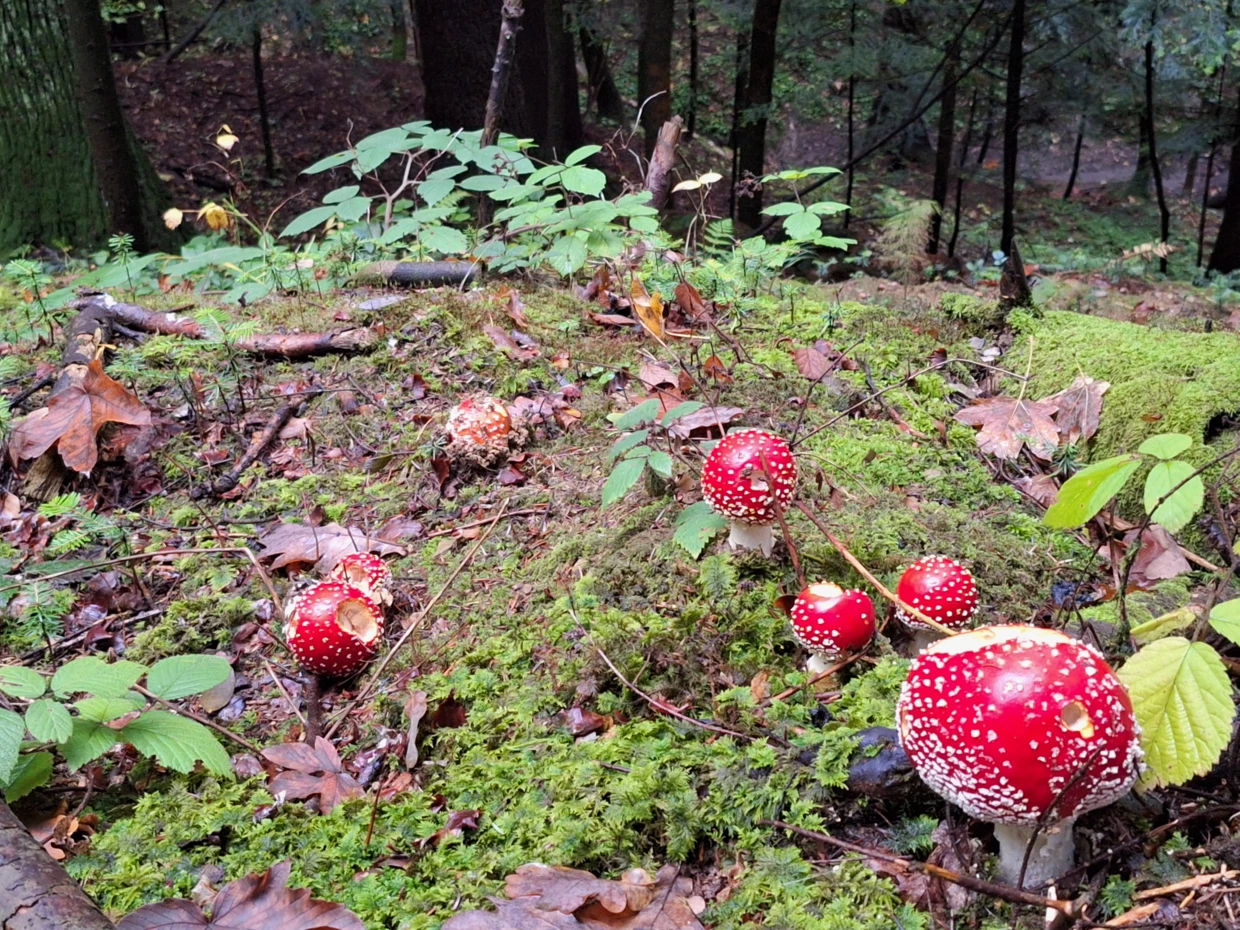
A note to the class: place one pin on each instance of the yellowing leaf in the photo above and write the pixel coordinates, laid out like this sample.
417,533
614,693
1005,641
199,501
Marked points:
1182,698
647,307
215,215
173,217
687,186
1162,626
710,177
226,140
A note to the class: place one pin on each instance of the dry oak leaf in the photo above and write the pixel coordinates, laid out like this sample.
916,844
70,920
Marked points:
691,301
72,419
1008,423
1080,407
541,897
312,771
648,308
325,545
256,902
710,419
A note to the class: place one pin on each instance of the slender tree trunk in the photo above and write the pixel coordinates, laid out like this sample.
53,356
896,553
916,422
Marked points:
1011,124
945,145
510,24
260,88
128,37
563,111
852,112
1139,183
751,143
35,892
1190,175
654,67
1225,258
1151,135
602,88
988,134
738,106
1076,158
115,162
163,25
400,36
691,116
964,156
1214,140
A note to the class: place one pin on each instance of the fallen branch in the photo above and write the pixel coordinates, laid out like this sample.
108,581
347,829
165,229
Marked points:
193,34
659,176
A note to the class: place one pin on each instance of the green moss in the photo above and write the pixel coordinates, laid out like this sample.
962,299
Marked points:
970,309
192,625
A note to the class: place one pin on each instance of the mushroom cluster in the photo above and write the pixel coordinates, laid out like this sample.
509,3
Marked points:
747,475
943,590
334,626
1024,728
829,621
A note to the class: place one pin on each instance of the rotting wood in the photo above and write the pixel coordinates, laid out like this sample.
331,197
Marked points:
659,175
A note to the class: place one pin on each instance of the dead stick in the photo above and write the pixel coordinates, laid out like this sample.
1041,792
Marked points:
826,673
198,718
287,698
258,446
783,524
374,678
1002,892
313,695
868,575
527,512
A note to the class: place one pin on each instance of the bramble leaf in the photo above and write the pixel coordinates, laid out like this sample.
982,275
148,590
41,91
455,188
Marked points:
1088,491
180,676
177,742
696,526
1175,512
20,682
621,479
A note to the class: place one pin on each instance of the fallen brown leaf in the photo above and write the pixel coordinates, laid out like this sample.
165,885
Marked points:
72,420
691,302
1042,488
1160,557
256,902
311,771
647,307
581,722
710,419
289,543
1008,423
415,710
515,308
1080,407
654,375
510,344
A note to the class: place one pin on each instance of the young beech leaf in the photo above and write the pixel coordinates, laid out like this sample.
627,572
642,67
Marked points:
20,682
1165,445
33,770
1088,491
180,676
1225,619
1175,512
12,729
621,479
1182,698
696,526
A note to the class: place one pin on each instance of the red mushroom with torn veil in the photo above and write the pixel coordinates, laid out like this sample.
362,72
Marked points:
746,473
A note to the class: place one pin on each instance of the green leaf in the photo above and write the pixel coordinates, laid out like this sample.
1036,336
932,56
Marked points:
49,720
1182,698
33,770
1162,626
443,239
834,242
177,742
180,676
308,221
485,182
1165,445
783,209
341,193
567,254
696,526
583,180
621,479
1088,491
577,156
95,676
682,409
802,226
1181,506
331,161
353,209
12,729
1225,618
20,682
625,443
644,224
105,710
89,741
435,190
827,208
660,463
645,412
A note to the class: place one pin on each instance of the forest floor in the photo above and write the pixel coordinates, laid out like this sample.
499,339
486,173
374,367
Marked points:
595,696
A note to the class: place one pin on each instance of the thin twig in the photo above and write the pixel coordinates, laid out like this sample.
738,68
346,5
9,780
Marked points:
287,697
783,524
527,512
198,718
826,673
414,625
313,694
868,575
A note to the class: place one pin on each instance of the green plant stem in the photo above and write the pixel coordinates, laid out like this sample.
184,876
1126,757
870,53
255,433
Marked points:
198,718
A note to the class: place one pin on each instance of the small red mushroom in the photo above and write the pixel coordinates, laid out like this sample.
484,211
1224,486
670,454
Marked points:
829,621
366,572
943,590
744,474
1019,726
479,427
333,628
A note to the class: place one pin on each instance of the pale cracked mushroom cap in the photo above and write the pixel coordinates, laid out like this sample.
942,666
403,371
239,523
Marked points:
828,621
333,628
1001,720
480,421
942,589
365,571
734,482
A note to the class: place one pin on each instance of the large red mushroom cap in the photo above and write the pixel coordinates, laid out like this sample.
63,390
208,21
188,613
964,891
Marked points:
828,620
480,424
366,572
1019,725
746,472
333,628
942,589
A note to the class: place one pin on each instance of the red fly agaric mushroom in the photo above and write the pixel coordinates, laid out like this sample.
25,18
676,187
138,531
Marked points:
744,474
940,588
1020,726
333,628
479,428
366,572
829,621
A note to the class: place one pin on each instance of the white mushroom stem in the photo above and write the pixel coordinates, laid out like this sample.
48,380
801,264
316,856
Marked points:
923,639
817,664
1053,852
752,536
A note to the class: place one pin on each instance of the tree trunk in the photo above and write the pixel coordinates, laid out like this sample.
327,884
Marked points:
1151,136
127,37
400,37
691,122
602,90
852,111
738,105
1076,159
1226,255
501,67
751,141
1190,175
964,155
563,133
35,892
945,144
1011,124
1139,183
654,67
1214,140
260,87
